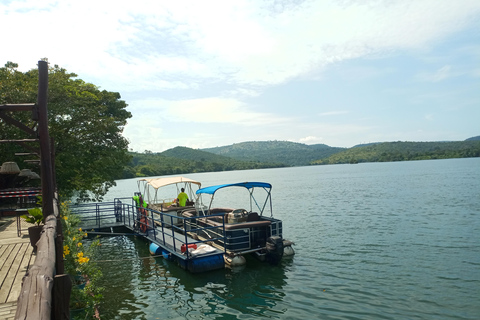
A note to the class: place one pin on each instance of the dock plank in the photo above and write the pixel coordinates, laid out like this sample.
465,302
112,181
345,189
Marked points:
4,261
25,262
9,271
8,310
16,255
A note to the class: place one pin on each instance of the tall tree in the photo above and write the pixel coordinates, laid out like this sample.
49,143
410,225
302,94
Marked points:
85,122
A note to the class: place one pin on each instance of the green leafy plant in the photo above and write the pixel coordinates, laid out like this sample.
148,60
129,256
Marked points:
35,216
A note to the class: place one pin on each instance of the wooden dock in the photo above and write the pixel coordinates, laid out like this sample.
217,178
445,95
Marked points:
16,255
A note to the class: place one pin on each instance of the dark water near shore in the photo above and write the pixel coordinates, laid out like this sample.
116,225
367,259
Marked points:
373,241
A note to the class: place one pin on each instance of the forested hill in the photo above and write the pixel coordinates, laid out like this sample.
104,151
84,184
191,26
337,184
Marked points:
477,138
180,160
270,154
285,152
404,151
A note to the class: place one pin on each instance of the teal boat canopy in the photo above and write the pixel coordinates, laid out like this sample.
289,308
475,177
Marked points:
248,185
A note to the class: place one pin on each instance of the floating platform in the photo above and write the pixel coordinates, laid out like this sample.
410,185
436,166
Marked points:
167,238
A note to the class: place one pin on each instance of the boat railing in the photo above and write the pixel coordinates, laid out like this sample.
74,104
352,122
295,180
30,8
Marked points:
165,228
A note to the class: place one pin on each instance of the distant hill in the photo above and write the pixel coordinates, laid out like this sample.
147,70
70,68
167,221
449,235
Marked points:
180,160
271,154
473,138
193,154
404,151
366,144
285,152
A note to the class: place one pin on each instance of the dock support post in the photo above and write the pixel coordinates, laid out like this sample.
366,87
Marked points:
46,162
62,287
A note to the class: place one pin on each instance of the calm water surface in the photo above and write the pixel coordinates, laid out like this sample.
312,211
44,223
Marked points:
373,241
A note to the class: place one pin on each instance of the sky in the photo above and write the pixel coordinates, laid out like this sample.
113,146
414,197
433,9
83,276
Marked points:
207,73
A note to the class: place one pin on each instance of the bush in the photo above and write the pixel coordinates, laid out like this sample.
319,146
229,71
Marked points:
79,254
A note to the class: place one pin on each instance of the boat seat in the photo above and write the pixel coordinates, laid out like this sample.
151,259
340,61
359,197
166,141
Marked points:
189,213
253,216
241,225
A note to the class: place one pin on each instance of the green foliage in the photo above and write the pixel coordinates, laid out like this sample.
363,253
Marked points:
181,160
185,160
79,257
284,152
405,151
85,122
35,216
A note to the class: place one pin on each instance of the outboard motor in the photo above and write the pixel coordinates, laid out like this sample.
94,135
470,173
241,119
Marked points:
274,248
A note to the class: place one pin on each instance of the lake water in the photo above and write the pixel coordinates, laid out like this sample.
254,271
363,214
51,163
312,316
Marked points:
396,240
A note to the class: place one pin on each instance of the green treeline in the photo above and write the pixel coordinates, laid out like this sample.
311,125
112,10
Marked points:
85,123
405,151
180,160
272,154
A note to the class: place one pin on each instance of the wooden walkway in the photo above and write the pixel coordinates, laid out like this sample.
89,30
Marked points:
16,255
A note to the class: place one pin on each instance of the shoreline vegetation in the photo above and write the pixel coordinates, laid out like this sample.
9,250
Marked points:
276,154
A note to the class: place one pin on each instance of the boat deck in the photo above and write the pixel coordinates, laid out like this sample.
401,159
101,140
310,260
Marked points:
16,255
165,232
163,239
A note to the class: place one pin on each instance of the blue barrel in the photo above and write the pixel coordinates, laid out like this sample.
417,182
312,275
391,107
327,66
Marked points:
155,249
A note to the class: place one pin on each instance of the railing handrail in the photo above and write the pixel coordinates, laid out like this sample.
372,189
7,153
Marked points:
38,289
165,219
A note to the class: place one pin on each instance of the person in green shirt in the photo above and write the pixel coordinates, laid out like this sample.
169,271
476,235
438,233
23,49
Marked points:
139,201
182,198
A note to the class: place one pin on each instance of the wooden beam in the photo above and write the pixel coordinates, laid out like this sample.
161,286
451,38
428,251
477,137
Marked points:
17,123
23,154
17,107
19,140
23,143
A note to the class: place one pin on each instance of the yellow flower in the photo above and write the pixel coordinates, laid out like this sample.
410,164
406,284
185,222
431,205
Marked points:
79,244
73,238
83,260
80,255
86,235
66,250
80,229
65,218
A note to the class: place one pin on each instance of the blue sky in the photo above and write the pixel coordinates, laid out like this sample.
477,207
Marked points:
212,73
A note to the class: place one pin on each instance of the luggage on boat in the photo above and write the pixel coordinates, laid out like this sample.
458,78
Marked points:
192,246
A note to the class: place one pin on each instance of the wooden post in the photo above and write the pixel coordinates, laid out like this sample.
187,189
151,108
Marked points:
45,149
62,287
59,265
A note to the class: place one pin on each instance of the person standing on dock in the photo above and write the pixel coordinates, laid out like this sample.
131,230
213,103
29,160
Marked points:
140,202
142,221
182,198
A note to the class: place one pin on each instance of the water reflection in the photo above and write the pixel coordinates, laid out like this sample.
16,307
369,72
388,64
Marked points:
139,286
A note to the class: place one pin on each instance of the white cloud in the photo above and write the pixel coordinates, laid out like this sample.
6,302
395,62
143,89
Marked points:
441,74
310,140
206,110
243,42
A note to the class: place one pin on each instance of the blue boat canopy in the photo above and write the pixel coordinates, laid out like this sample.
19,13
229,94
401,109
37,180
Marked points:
248,185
